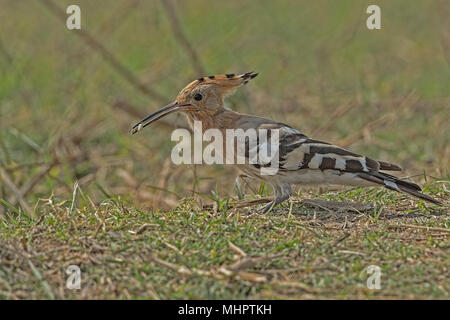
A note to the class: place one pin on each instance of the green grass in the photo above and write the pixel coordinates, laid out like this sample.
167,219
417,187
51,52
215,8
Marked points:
124,252
381,93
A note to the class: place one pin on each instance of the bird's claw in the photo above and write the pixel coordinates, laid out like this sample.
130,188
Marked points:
268,207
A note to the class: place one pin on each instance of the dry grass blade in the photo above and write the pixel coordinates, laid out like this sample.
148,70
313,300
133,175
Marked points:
180,269
331,206
411,226
235,271
145,226
295,284
248,262
8,181
74,197
242,204
107,56
251,276
7,56
172,247
163,182
171,266
341,110
236,249
337,241
44,283
37,178
379,121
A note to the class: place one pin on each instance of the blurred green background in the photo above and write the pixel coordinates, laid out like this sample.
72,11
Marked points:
65,110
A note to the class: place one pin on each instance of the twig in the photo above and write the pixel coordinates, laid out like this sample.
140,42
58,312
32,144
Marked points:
5,53
250,261
315,204
33,181
74,197
6,178
163,181
343,109
298,285
106,55
21,194
352,252
242,204
336,205
411,226
234,271
145,226
25,165
5,149
194,179
337,241
179,269
181,37
171,246
119,15
236,249
44,283
443,12
382,120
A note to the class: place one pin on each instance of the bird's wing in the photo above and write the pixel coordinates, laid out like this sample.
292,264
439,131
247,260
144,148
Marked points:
306,153
297,151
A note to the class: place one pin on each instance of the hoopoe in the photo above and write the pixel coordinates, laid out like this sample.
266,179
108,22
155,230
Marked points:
302,160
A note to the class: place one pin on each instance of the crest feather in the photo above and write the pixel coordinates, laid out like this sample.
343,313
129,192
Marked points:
226,82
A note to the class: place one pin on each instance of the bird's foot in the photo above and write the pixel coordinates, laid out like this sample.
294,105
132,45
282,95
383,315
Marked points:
268,207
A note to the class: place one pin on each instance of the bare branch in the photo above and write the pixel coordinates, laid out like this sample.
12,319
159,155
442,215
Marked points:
108,56
181,37
8,181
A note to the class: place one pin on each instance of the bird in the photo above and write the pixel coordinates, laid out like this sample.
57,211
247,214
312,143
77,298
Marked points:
301,160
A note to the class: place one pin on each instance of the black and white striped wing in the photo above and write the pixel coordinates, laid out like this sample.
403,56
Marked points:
331,164
297,152
303,160
306,153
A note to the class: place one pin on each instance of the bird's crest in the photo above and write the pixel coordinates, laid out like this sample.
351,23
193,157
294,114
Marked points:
229,79
226,82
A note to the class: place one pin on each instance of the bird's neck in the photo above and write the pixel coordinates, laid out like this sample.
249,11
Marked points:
222,118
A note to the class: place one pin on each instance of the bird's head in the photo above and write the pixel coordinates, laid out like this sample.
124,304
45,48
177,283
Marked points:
205,95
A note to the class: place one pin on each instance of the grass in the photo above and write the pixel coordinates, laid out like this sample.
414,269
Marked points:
76,188
298,251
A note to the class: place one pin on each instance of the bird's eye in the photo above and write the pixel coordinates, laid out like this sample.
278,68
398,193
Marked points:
198,97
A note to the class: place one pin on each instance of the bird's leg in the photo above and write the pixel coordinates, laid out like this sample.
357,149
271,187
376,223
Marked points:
238,185
281,194
273,203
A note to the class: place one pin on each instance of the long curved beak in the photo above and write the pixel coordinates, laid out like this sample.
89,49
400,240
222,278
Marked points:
155,116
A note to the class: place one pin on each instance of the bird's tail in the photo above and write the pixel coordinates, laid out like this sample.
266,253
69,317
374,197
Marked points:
396,184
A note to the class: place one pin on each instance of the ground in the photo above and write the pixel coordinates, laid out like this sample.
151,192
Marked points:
303,249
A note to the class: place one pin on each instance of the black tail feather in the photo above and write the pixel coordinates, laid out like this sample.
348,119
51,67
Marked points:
419,195
388,166
396,184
